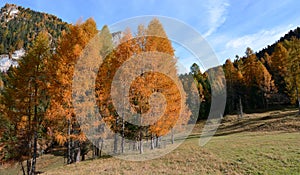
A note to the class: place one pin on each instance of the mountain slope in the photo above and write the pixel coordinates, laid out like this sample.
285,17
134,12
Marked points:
19,26
270,48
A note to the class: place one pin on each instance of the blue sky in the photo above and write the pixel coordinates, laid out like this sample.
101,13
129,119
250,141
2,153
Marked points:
229,26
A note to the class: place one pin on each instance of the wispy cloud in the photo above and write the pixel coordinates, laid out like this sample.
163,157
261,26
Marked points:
217,11
229,26
258,40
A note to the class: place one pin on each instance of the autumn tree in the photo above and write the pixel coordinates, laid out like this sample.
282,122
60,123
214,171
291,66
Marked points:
278,66
111,63
194,94
25,101
156,40
61,116
146,47
106,48
204,90
257,79
292,78
234,87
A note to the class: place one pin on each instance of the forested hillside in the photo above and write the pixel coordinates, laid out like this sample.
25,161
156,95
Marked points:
270,48
20,26
257,81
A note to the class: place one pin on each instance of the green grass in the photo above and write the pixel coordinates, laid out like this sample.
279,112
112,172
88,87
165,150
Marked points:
265,143
259,153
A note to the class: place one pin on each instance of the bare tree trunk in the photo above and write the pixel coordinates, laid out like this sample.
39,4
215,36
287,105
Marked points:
123,135
135,145
69,159
298,99
172,135
157,141
72,151
97,147
36,123
298,106
29,138
22,166
116,143
28,166
141,141
116,138
97,151
122,143
82,157
241,107
152,142
94,151
78,152
34,153
141,146
101,147
123,125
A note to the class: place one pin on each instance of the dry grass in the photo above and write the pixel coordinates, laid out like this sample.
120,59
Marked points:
189,158
262,143
287,121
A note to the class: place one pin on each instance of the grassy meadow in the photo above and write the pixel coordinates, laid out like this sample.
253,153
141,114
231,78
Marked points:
260,143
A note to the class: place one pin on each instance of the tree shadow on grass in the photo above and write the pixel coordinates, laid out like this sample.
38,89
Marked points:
254,123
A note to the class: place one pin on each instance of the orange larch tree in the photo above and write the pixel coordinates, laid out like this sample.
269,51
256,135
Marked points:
25,101
61,116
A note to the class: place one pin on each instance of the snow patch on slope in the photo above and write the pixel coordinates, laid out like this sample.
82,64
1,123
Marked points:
6,62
